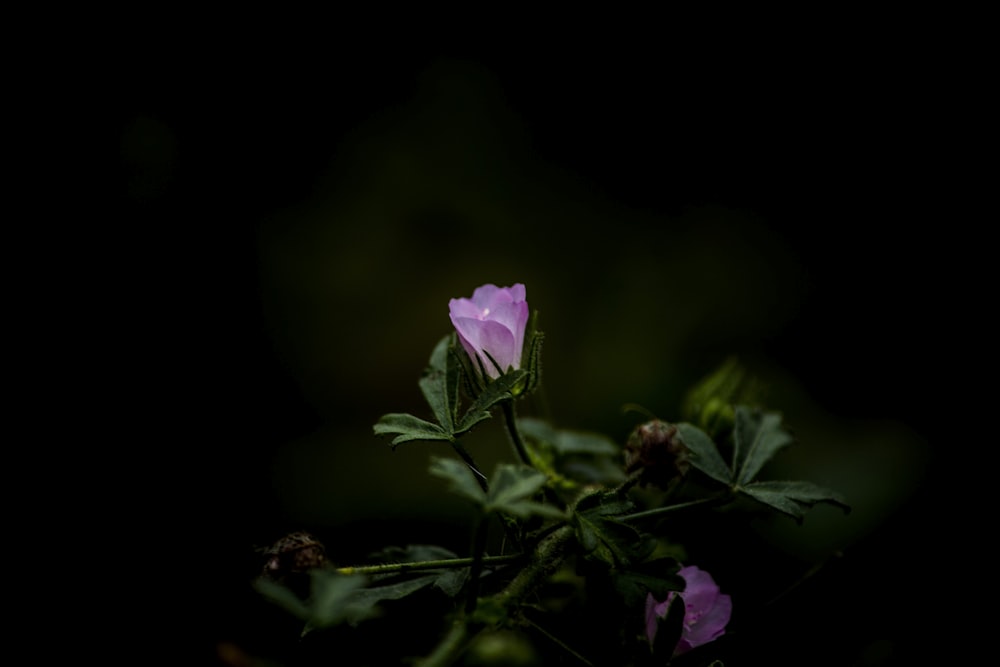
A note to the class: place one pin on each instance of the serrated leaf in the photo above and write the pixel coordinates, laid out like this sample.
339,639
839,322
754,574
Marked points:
605,504
462,480
440,384
496,391
705,454
407,427
793,498
758,436
610,541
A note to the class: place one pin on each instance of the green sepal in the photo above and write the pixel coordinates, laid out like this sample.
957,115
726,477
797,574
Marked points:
440,383
534,363
793,498
495,391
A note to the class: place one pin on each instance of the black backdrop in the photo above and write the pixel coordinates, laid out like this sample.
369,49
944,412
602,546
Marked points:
821,148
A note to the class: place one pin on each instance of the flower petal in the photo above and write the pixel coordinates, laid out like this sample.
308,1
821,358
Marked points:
712,623
479,335
701,590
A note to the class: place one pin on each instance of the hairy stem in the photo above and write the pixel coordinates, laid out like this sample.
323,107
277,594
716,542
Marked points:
393,568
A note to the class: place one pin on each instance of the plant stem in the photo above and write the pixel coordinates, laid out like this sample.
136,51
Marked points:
391,568
548,555
467,457
713,500
451,646
558,642
476,570
510,420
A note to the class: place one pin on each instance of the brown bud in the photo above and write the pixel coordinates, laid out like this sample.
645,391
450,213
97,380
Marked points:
655,449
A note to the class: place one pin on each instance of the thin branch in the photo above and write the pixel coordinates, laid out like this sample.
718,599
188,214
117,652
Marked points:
659,511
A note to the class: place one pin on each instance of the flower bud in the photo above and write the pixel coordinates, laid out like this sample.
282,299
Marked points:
655,449
491,325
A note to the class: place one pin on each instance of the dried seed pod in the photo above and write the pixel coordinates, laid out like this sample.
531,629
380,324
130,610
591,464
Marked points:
655,450
290,559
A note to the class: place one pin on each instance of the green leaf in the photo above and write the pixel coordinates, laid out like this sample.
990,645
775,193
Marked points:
658,577
605,504
571,458
282,596
407,427
709,404
511,489
793,498
565,441
463,481
758,437
440,383
369,597
609,541
448,580
451,582
510,483
705,454
496,391
411,553
332,600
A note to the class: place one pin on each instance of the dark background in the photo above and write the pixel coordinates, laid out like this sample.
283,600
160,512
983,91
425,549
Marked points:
298,216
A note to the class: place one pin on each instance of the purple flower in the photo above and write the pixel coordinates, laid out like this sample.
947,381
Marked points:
492,322
706,610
